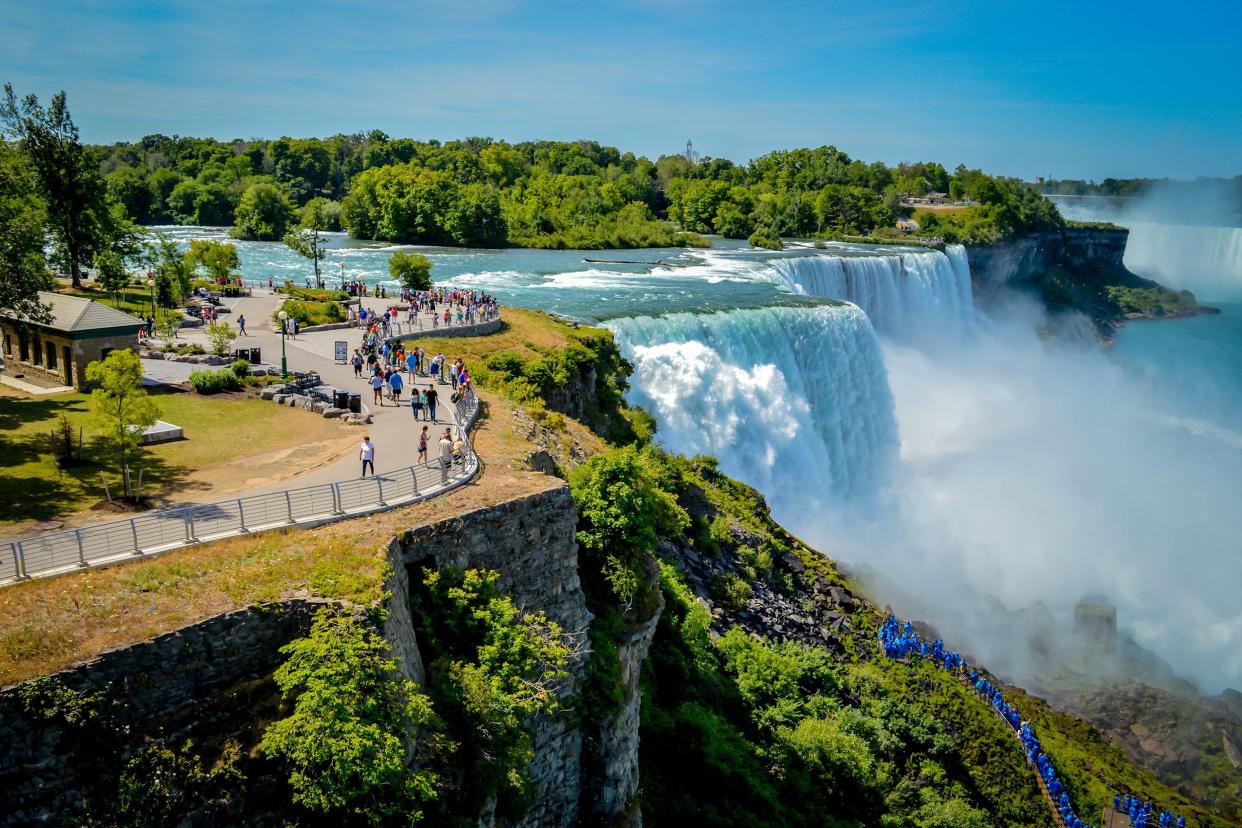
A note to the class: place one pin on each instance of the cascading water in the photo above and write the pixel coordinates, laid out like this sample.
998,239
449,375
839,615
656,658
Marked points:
907,295
794,401
1203,259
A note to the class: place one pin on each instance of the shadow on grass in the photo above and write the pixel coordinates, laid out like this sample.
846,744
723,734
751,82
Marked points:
34,487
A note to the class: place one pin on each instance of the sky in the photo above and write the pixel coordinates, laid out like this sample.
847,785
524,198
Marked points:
1071,90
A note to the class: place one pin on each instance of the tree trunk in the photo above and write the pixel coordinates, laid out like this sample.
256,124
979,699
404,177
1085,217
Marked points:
75,273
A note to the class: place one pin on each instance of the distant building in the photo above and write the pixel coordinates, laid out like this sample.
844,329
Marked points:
907,225
79,332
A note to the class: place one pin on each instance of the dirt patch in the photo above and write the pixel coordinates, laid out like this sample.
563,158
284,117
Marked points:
122,505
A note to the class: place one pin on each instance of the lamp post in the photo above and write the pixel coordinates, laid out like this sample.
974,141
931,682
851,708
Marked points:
151,287
284,366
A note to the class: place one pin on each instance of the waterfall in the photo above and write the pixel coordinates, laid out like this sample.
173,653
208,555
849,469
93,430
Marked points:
794,401
907,295
1204,259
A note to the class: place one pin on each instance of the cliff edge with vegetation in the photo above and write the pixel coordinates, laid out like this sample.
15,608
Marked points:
642,646
1077,268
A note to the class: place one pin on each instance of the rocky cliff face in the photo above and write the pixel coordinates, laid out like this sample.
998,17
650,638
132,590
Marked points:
1075,269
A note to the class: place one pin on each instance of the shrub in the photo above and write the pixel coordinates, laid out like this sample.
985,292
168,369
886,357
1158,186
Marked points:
240,368
765,237
731,591
213,382
219,334
344,743
495,667
333,312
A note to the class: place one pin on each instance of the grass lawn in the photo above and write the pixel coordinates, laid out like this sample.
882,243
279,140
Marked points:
132,300
219,432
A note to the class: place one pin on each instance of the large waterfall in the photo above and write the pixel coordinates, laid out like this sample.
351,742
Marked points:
794,401
1204,259
908,294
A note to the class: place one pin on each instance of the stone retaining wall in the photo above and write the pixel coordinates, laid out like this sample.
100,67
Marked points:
156,680
531,543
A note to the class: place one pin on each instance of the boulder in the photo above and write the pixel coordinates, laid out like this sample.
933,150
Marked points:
320,407
153,355
358,419
281,399
334,413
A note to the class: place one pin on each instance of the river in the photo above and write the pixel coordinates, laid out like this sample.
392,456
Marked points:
976,473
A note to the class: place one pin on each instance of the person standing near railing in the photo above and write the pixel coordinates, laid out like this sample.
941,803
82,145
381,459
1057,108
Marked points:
366,453
432,396
446,456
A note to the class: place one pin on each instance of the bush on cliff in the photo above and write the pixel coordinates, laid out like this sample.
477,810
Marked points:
492,667
344,744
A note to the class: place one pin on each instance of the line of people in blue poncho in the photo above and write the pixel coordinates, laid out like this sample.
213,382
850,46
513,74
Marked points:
902,640
1143,814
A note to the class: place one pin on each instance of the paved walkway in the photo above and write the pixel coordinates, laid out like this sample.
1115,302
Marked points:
393,430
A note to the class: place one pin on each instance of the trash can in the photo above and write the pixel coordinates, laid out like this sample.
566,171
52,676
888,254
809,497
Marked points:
355,403
244,353
341,399
255,356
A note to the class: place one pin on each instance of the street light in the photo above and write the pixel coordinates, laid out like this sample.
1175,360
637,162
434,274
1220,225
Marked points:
284,366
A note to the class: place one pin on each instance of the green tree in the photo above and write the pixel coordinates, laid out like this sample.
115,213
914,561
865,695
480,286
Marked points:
218,258
169,268
23,268
74,191
412,270
307,240
344,742
110,270
262,214
120,406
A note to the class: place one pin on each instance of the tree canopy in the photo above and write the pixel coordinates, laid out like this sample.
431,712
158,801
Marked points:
412,270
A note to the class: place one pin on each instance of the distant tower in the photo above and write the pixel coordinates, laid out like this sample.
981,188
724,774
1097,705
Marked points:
691,155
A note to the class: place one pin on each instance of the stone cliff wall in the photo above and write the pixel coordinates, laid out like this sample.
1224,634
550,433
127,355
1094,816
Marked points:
611,797
531,543
1086,252
178,677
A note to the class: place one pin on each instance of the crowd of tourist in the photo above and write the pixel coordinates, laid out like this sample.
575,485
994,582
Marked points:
444,307
900,640
1144,815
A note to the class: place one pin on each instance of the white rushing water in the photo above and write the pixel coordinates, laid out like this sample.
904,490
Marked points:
907,295
1203,259
794,401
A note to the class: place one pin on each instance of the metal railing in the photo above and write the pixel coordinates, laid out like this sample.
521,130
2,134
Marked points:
66,550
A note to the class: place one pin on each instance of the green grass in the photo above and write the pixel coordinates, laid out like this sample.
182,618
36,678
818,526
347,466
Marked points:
1152,301
33,488
131,300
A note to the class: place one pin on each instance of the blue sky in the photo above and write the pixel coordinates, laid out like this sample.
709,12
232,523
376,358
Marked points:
1085,89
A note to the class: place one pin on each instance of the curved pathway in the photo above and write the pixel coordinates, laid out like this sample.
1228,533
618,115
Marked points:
337,492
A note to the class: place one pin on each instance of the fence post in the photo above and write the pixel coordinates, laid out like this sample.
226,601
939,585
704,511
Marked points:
19,559
188,515
81,550
241,515
133,527
289,505
414,477
379,481
336,499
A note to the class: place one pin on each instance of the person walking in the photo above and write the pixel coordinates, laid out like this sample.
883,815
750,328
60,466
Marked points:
241,324
423,439
357,363
432,397
422,402
395,384
446,456
366,453
377,388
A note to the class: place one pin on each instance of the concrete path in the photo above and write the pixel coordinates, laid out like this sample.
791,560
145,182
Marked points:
393,430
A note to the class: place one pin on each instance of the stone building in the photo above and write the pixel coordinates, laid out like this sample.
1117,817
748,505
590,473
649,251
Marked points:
80,331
